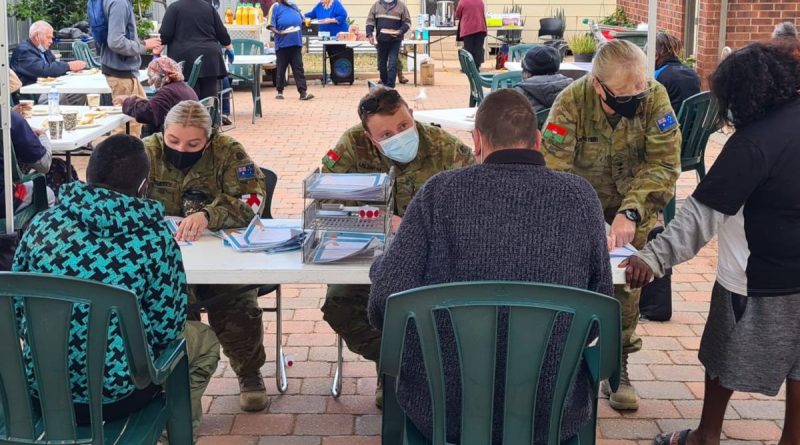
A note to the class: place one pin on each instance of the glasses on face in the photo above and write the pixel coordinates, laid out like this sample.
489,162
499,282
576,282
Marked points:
624,99
372,104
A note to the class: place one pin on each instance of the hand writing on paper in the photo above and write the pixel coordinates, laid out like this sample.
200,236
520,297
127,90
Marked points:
192,227
622,232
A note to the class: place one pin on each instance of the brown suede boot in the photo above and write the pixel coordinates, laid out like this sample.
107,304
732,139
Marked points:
625,398
252,393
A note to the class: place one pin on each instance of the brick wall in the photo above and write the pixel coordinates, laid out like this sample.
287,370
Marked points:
748,21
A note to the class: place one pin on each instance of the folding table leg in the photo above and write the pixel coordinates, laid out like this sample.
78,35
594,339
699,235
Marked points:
280,359
336,389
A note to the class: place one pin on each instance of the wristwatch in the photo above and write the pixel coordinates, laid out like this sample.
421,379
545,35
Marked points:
631,214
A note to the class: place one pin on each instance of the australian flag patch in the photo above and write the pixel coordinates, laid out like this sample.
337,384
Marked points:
246,172
667,122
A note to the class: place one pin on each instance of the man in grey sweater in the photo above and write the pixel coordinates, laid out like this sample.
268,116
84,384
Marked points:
509,218
120,53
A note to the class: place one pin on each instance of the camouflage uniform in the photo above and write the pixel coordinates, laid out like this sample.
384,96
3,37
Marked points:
228,177
345,307
632,166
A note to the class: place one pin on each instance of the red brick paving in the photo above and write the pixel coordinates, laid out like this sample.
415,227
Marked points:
290,139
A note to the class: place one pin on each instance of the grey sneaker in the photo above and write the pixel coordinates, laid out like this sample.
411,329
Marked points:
306,96
279,96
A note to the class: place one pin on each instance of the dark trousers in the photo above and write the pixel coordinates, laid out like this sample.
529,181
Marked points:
206,87
293,57
473,44
345,310
388,53
226,98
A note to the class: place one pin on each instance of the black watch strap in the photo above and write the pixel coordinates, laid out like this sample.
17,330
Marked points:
632,215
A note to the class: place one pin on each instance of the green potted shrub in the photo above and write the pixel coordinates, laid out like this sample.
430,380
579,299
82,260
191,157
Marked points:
582,46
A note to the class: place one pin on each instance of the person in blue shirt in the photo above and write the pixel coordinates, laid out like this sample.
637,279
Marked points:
681,81
286,23
332,19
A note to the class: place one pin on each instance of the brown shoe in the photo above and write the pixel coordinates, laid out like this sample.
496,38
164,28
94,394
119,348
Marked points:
252,393
401,78
625,398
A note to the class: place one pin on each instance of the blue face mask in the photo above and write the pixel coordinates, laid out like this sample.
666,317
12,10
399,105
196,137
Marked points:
402,147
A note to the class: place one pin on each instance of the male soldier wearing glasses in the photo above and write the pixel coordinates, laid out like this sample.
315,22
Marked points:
388,136
616,128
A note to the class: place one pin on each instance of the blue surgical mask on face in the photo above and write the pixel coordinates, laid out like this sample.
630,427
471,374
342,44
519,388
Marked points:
402,147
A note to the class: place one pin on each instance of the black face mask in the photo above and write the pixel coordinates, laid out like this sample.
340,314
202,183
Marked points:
181,159
627,108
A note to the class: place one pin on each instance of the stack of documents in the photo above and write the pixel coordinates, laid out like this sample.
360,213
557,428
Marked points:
348,186
338,246
268,235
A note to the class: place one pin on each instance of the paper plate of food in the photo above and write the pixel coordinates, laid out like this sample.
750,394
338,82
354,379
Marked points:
39,110
48,81
470,117
91,124
89,72
108,109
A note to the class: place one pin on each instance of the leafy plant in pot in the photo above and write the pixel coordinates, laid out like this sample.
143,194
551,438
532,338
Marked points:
582,46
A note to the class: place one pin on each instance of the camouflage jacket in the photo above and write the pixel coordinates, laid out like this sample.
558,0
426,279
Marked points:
438,151
632,166
232,183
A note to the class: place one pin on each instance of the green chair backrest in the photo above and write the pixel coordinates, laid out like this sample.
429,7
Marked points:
48,301
245,47
697,120
541,117
195,73
23,217
473,75
506,80
81,51
212,106
474,311
517,52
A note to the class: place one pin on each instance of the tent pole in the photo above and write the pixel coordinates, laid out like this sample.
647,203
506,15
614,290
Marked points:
5,117
652,19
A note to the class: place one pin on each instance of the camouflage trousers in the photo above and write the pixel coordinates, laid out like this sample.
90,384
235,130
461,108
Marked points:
237,322
202,348
629,298
345,310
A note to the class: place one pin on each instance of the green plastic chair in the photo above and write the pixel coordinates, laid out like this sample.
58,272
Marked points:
517,52
638,38
476,81
243,75
24,216
195,73
508,79
541,117
211,104
81,51
697,120
48,301
473,308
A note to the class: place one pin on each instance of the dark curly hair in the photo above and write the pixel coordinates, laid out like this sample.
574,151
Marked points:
755,80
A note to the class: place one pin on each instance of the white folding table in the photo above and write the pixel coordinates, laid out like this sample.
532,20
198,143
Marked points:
455,118
77,84
256,60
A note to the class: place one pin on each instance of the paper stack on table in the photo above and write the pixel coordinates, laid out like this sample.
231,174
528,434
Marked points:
349,186
338,246
266,235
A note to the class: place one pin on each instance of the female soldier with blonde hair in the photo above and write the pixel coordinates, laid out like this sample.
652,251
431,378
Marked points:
615,127
208,179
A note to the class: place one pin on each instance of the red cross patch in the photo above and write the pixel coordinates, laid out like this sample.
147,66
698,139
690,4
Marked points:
253,200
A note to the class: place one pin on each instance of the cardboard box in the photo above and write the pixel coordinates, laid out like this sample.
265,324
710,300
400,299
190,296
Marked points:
427,73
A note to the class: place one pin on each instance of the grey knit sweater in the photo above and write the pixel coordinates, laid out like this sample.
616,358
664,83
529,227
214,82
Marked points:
509,218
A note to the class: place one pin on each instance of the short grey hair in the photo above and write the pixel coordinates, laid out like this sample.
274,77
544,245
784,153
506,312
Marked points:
37,27
189,113
785,29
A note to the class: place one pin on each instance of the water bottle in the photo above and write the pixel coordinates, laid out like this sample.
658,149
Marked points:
53,99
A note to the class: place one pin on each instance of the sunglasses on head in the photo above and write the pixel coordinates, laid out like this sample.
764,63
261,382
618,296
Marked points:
624,99
372,104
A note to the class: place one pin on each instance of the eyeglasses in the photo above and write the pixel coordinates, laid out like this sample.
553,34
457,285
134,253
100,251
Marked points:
372,104
625,99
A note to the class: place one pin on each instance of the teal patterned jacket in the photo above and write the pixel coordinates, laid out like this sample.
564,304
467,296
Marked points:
98,234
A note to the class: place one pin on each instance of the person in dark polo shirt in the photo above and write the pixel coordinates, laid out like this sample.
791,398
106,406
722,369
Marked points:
751,200
681,81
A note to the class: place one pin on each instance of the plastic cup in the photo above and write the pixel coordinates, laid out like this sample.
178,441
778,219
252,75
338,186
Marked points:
26,108
55,125
93,100
70,120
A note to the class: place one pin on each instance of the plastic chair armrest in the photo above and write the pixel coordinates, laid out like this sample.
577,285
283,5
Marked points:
168,360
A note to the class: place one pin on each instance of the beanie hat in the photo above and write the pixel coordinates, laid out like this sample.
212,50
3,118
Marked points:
541,60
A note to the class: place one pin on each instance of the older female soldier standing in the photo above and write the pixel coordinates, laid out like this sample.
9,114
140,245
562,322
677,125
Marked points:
616,128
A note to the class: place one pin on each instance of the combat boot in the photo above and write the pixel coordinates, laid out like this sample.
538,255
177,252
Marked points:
625,398
252,393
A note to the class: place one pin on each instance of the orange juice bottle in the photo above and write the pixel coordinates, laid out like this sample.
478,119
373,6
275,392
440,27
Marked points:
253,15
228,16
239,10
